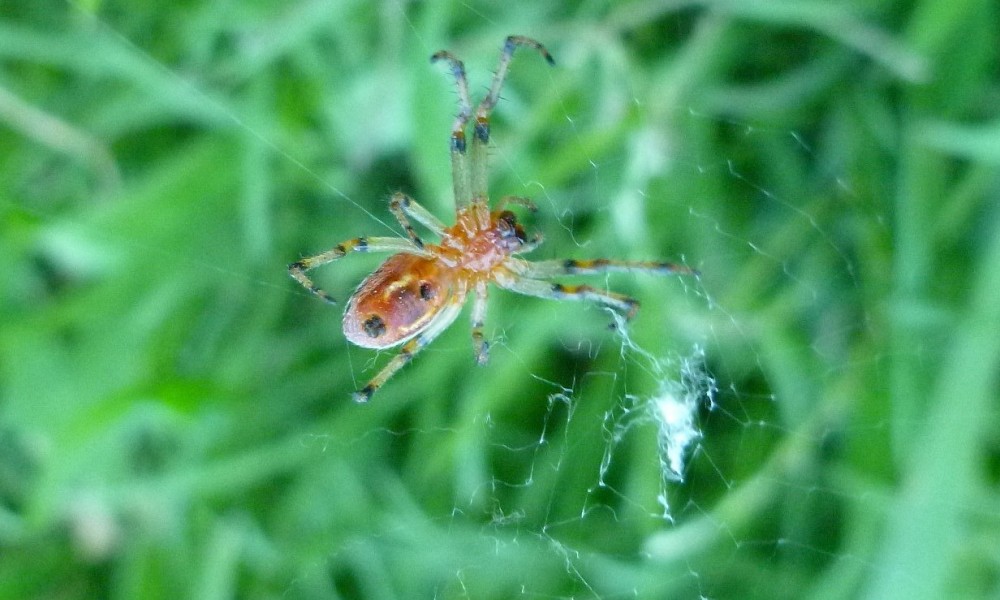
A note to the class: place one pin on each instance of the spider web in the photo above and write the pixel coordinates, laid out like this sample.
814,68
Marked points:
593,458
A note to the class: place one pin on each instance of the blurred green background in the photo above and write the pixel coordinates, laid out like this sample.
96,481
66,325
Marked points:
175,418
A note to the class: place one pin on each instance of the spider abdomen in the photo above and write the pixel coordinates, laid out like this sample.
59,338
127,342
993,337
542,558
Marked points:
396,302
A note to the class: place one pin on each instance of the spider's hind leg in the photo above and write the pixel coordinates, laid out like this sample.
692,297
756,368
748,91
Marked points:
441,322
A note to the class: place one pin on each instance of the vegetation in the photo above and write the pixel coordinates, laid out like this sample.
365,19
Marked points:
175,414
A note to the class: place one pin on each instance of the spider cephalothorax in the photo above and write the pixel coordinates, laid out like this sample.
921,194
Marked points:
420,290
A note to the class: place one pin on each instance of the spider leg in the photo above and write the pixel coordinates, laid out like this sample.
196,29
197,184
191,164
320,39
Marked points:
531,245
434,328
362,244
486,106
516,200
551,268
402,205
481,132
459,161
480,346
626,305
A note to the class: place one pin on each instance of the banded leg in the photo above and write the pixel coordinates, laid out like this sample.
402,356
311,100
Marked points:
459,161
362,244
402,206
626,305
510,44
551,268
480,347
481,132
441,322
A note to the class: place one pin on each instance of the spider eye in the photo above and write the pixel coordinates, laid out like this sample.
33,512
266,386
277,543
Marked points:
374,326
509,227
507,221
426,291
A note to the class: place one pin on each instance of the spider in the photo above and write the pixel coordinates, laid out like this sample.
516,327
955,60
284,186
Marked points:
420,290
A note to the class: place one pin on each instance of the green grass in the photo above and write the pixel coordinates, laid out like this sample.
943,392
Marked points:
175,418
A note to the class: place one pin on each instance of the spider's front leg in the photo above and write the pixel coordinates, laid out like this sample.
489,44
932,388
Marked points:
459,160
478,176
361,244
469,175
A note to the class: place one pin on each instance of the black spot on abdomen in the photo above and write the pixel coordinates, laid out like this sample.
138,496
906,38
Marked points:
374,326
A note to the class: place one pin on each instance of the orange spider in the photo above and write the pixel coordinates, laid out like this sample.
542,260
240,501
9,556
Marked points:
420,290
